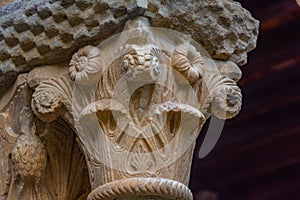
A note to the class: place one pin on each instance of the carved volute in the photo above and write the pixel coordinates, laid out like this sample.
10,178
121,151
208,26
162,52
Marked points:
120,118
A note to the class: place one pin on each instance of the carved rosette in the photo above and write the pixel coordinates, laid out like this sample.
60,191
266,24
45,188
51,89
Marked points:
136,107
120,119
50,98
46,103
84,64
227,99
139,124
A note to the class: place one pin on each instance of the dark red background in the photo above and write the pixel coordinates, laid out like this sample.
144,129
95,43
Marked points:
258,154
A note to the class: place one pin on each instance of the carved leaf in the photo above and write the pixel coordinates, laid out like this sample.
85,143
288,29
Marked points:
49,97
66,174
227,99
187,61
140,160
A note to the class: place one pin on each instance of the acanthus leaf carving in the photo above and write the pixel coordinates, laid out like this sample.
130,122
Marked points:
227,99
138,117
220,94
49,97
140,162
188,61
66,175
140,63
120,119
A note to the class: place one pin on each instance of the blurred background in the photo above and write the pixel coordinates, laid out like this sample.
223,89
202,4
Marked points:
258,154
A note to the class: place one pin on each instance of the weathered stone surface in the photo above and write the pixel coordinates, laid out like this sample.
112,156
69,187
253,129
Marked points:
5,2
51,28
116,119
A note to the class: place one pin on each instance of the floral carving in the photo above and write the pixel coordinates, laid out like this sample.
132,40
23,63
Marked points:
140,161
140,63
139,117
187,60
157,118
50,96
129,61
227,100
84,63
46,101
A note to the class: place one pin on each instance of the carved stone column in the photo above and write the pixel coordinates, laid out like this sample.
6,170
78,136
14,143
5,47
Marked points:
110,96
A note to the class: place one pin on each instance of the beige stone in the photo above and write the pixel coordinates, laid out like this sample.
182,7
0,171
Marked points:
118,120
5,2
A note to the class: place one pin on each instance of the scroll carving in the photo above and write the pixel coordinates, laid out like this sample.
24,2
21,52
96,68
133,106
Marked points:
156,118
185,60
39,159
115,121
50,96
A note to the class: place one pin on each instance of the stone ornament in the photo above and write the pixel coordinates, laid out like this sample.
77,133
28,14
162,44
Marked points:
118,120
28,156
49,97
140,130
84,63
144,188
135,60
36,33
184,59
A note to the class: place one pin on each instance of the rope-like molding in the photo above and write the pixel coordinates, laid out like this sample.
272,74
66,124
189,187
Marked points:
142,187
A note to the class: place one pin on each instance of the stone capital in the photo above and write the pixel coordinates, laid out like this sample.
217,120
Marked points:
105,99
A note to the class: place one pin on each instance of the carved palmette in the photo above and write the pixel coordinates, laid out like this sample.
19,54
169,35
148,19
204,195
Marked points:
216,91
139,116
120,119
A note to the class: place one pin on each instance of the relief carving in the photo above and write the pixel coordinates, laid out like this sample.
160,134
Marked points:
50,96
118,120
38,159
28,156
84,64
132,115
